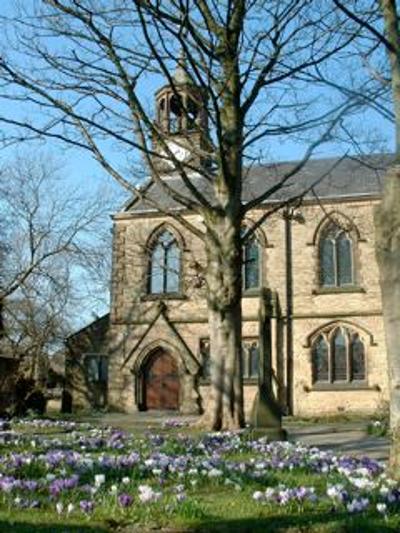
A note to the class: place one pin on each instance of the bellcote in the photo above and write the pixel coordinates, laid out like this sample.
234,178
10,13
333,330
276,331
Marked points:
181,118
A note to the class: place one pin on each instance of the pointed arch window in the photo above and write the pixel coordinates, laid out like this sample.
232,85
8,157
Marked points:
320,358
250,354
338,356
250,358
251,264
165,265
254,360
205,358
336,264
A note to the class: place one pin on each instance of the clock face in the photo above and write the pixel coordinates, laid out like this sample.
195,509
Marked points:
181,153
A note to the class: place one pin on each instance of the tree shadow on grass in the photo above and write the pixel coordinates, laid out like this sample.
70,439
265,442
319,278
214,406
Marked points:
24,527
312,522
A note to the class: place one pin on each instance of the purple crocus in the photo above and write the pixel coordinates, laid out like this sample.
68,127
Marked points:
125,500
86,506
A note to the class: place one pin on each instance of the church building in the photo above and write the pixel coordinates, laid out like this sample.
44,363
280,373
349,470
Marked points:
311,296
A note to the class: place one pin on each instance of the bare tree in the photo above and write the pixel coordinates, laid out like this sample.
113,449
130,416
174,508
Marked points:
380,24
50,236
256,66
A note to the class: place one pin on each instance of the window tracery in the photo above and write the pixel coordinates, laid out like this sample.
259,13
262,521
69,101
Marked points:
338,356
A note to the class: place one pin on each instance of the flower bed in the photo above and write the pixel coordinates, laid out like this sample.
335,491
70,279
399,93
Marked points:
96,475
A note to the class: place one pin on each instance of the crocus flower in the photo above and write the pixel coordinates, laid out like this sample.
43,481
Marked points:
125,500
86,506
147,494
99,480
258,496
381,508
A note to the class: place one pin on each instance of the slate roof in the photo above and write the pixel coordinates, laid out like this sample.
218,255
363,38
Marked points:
329,178
94,332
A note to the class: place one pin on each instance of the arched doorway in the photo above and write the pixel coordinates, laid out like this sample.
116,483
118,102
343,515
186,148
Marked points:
161,381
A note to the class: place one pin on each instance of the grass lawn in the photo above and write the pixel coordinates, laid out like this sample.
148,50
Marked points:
70,476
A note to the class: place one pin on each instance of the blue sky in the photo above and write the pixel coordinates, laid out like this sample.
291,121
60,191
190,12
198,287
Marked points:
81,171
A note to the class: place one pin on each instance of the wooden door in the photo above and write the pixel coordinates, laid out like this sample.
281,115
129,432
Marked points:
162,382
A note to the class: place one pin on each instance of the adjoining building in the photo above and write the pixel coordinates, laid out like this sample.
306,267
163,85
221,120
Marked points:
310,279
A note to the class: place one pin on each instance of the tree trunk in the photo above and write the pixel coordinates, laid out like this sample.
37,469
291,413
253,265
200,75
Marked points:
224,408
387,229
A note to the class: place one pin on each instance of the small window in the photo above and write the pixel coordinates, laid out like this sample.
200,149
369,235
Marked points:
336,257
96,368
338,356
254,360
251,264
205,358
165,265
250,359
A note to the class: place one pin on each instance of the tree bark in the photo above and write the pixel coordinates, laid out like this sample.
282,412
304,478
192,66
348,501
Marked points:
387,230
390,18
224,409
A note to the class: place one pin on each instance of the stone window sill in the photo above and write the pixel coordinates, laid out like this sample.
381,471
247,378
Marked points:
250,381
161,296
360,385
251,293
339,290
246,381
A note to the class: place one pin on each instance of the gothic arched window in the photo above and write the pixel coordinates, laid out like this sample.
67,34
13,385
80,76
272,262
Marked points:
254,360
338,356
205,358
336,257
250,358
165,265
320,359
251,264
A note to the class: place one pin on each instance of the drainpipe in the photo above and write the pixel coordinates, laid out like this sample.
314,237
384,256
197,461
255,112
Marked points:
289,310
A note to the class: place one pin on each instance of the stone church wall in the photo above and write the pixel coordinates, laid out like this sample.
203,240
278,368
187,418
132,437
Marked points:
138,322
